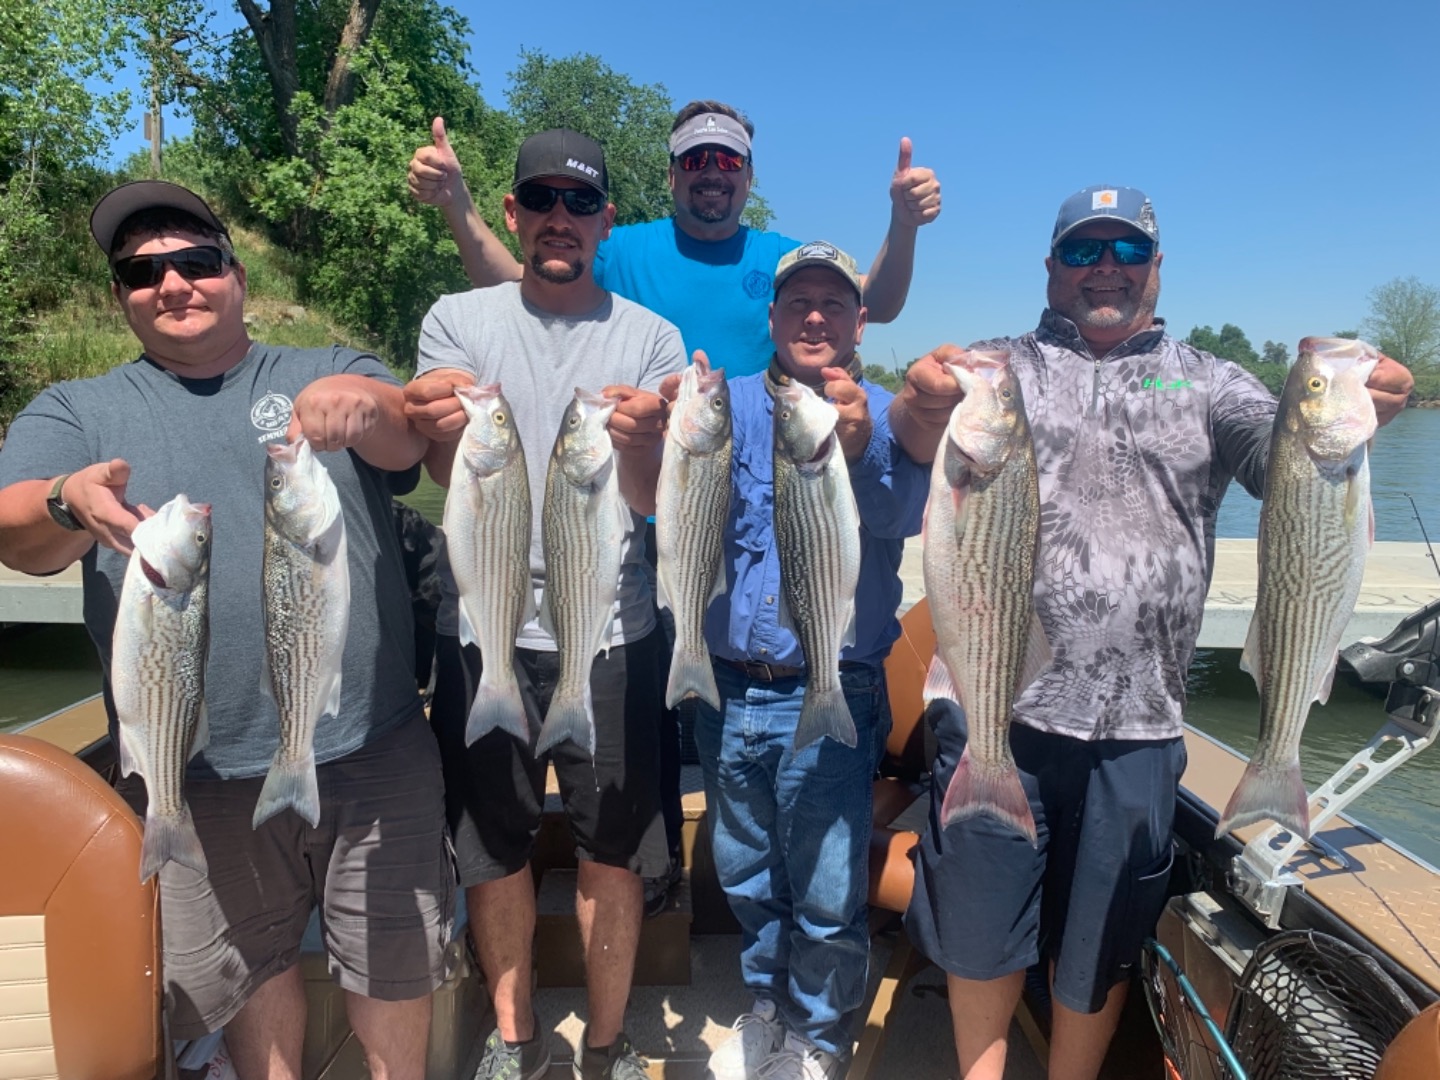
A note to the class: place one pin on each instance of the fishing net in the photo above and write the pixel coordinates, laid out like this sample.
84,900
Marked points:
1194,1048
1310,1007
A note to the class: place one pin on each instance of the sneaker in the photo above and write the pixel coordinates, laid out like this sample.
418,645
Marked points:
658,889
800,1059
758,1035
514,1061
618,1061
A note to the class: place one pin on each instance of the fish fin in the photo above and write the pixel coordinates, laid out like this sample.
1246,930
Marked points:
201,738
132,755
497,705
721,586
824,713
994,790
571,718
529,609
292,784
1326,679
662,587
782,615
543,614
961,503
847,637
938,683
1038,655
171,840
467,629
925,524
1353,492
691,674
1250,659
1269,792
330,694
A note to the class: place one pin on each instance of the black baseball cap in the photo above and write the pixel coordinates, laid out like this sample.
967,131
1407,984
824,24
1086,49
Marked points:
116,205
562,152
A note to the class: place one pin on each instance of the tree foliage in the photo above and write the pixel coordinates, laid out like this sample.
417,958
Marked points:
1273,352
1229,344
1404,322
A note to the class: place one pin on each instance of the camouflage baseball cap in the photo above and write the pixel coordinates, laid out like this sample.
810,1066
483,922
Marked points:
818,253
1105,202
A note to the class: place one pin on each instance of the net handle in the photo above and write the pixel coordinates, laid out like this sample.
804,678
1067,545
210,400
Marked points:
1193,1000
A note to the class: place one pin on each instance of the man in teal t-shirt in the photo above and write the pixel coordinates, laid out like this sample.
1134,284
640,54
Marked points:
701,269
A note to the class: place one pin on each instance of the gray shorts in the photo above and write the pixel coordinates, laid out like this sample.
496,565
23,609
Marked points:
378,866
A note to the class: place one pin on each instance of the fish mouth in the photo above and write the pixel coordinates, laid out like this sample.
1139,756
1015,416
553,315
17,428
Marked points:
151,574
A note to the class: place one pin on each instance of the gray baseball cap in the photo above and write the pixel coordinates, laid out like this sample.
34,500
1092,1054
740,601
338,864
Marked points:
710,129
119,203
818,253
562,152
1105,202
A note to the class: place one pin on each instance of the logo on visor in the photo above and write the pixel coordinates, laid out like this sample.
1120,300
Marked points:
1105,200
571,163
817,250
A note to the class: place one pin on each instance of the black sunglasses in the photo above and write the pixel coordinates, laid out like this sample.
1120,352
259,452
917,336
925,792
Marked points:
541,199
192,263
1127,252
725,160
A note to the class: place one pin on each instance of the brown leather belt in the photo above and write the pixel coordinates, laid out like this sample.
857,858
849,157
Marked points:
763,672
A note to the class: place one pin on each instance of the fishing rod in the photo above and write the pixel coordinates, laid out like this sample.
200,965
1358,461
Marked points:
1423,533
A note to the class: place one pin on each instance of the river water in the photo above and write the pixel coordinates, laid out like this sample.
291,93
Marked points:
45,668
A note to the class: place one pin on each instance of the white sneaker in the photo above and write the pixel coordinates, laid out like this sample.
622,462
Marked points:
800,1059
758,1035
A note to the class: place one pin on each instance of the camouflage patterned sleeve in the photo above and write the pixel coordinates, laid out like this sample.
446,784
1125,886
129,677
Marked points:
1242,413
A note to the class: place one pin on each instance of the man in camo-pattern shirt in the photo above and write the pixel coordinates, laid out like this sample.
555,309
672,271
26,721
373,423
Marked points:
1137,436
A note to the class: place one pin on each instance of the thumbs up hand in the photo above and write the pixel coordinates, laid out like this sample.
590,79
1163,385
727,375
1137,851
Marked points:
434,175
914,191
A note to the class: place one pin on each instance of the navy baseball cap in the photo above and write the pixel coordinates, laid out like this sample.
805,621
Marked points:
118,204
562,152
1106,202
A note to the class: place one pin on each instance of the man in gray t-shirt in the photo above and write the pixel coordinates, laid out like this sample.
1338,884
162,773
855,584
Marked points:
540,338
194,415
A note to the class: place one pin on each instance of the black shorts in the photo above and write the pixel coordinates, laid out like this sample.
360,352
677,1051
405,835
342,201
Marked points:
495,789
987,904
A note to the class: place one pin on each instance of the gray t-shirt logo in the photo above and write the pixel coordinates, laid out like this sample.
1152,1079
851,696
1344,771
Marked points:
271,414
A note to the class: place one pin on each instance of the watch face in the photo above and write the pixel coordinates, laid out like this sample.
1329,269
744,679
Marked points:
60,514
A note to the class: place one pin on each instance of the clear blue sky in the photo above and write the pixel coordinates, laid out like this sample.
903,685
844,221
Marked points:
1292,149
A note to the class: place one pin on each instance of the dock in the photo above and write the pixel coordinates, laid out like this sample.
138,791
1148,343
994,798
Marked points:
1399,578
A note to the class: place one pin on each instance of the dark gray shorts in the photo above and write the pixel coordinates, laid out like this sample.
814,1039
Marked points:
987,904
378,866
495,788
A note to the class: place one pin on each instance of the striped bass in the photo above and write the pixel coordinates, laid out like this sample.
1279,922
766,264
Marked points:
487,535
817,533
1316,525
306,600
982,525
691,505
157,673
583,523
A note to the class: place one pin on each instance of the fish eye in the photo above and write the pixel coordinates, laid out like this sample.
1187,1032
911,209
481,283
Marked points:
500,418
574,420
1007,394
717,404
200,538
1316,383
276,483
784,414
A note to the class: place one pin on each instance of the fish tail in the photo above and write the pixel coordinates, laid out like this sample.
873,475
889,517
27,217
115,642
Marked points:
571,717
1274,792
497,705
691,673
822,713
171,839
992,790
289,784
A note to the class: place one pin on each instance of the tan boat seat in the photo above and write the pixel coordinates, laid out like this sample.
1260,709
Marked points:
892,874
79,935
1415,1052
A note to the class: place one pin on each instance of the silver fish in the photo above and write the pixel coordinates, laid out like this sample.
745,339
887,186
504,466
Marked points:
306,602
1316,526
982,524
691,505
487,535
582,527
817,533
157,673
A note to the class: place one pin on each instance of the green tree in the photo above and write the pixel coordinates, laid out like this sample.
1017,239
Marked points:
883,376
1404,322
1229,344
1272,352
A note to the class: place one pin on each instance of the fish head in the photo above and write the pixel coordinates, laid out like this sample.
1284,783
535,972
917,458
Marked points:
490,438
700,419
1325,402
173,545
989,420
804,422
583,447
301,502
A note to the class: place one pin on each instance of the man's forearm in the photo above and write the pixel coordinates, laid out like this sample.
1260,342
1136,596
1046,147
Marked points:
440,459
487,261
919,441
393,443
639,476
888,283
30,541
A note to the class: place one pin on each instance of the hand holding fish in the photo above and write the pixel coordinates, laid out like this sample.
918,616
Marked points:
670,385
334,413
637,426
96,498
431,404
921,411
1389,385
854,427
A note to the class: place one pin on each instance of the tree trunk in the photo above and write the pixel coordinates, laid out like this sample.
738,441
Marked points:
340,86
275,34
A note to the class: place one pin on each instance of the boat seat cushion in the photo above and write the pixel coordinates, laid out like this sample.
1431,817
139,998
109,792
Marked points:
1415,1052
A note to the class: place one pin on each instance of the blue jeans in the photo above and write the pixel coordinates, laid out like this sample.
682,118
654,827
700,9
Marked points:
791,836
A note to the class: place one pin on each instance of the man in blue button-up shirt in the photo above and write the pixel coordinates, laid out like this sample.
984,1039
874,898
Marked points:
791,828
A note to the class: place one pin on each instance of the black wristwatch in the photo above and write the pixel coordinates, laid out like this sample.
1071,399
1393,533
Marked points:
59,512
